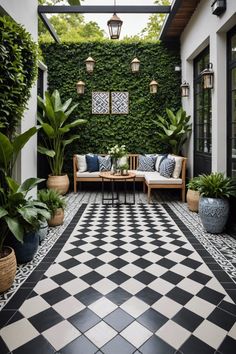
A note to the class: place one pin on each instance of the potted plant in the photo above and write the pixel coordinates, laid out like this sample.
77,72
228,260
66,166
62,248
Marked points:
124,169
56,135
215,190
55,204
117,152
193,194
174,129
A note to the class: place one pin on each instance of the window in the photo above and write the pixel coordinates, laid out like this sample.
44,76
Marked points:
231,138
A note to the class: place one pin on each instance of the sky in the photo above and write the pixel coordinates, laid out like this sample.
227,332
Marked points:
132,23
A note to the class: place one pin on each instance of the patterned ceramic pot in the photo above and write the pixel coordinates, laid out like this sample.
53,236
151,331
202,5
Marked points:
214,213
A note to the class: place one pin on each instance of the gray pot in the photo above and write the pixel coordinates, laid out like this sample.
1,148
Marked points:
214,213
42,232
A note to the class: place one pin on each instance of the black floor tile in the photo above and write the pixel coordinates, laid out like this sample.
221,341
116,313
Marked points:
79,345
161,251
210,295
194,345
75,251
156,345
18,299
16,317
92,277
145,277
118,319
152,320
119,296
199,277
222,319
184,252
5,316
142,263
140,252
118,277
45,319
191,263
88,296
63,277
226,306
172,277
228,346
118,263
166,263
38,345
94,263
97,252
69,263
179,295
3,348
118,251
84,320
118,345
148,295
188,319
55,295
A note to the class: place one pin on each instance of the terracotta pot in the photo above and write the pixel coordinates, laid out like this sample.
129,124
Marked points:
57,219
58,183
7,269
193,200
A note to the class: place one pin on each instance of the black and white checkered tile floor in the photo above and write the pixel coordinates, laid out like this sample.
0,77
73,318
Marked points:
123,280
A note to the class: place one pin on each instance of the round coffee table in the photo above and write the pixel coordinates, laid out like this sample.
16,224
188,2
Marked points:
113,179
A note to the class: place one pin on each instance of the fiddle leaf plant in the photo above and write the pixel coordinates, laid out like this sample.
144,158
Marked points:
174,129
56,132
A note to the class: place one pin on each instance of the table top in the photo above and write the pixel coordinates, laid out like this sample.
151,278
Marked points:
110,176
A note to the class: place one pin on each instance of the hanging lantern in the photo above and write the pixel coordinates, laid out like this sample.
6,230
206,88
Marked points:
135,65
80,87
114,25
185,89
208,77
90,62
153,87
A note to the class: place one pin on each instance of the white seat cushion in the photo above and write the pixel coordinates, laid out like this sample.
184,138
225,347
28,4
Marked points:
156,178
88,174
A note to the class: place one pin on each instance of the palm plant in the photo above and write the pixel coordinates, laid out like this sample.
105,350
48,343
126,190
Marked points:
52,118
216,185
193,184
173,130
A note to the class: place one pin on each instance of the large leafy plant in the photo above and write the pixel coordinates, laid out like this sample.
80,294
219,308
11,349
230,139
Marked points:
56,131
52,199
216,185
174,129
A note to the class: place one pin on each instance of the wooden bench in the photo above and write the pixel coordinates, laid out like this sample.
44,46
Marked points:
150,180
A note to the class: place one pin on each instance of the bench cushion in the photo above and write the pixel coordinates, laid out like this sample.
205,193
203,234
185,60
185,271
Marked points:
156,178
87,174
138,173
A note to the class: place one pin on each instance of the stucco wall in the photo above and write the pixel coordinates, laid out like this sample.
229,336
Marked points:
202,30
25,13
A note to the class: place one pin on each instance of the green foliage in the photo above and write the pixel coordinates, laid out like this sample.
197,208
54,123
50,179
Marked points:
193,184
155,23
174,129
19,214
18,70
52,199
56,129
112,73
216,185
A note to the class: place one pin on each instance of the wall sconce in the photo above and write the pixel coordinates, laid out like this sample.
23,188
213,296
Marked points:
153,87
208,77
80,87
185,89
135,65
114,25
218,7
90,63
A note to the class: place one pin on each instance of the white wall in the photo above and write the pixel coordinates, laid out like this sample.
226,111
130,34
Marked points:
202,30
25,13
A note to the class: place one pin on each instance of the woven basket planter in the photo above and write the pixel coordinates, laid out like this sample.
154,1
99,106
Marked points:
7,270
57,219
193,200
58,183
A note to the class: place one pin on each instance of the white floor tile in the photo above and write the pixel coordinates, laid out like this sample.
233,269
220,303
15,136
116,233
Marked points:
54,269
131,270
100,334
61,334
45,285
161,286
105,286
102,307
190,285
210,333
33,306
167,307
132,285
68,307
173,334
134,306
136,334
232,332
106,270
200,306
75,286
80,270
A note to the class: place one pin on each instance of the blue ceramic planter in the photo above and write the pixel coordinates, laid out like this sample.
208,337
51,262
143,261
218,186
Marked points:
24,251
214,214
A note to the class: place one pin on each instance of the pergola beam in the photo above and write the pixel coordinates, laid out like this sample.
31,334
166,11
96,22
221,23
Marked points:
57,9
49,27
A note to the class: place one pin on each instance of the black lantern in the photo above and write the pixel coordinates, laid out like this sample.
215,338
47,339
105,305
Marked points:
80,87
135,65
208,77
184,89
114,25
153,87
90,62
218,7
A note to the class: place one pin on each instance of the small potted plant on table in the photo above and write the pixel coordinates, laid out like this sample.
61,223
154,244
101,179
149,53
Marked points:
56,205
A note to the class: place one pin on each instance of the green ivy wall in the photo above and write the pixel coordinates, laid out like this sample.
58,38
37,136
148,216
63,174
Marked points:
112,73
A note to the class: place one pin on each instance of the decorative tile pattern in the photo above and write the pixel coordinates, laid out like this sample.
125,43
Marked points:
100,103
120,102
159,293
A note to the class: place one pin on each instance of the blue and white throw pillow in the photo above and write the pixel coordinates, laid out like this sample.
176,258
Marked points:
104,163
146,163
160,158
167,167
